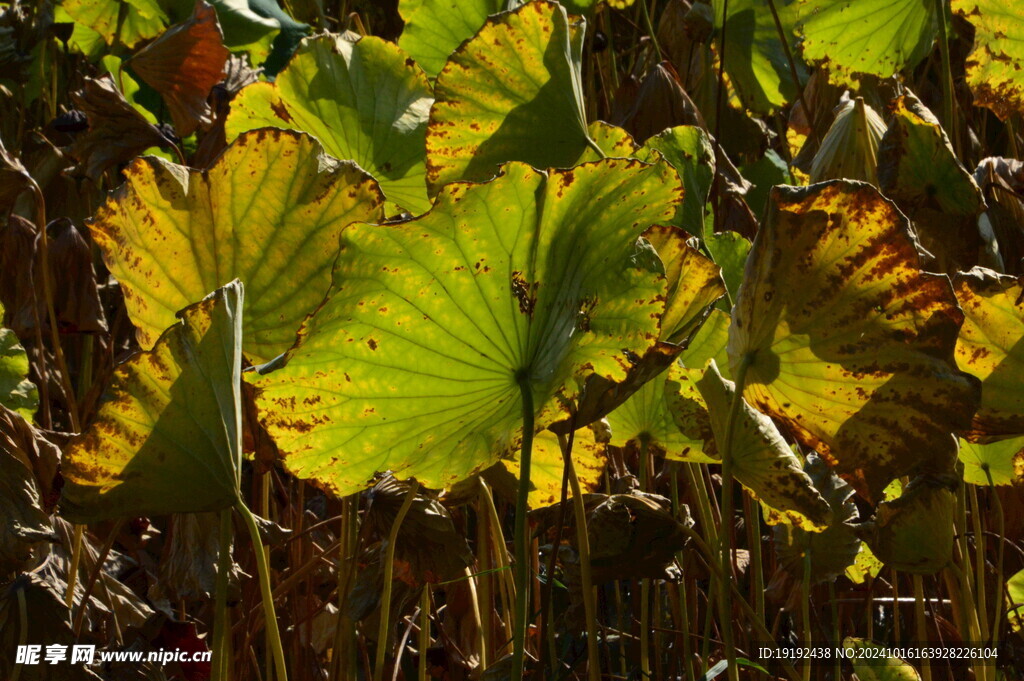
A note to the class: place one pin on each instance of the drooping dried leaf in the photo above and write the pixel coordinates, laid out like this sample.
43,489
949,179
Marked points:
427,540
430,321
183,65
48,619
991,347
918,169
172,421
188,563
14,179
994,68
25,523
1002,185
172,234
76,298
18,291
117,131
849,344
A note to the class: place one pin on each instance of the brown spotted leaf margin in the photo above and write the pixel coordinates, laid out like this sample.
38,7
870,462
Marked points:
850,344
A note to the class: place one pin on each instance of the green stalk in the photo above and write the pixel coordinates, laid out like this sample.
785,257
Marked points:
424,636
389,576
805,611
483,561
947,77
753,513
220,669
837,635
684,619
645,583
22,630
922,629
997,606
266,593
726,536
649,25
522,568
583,543
979,566
76,560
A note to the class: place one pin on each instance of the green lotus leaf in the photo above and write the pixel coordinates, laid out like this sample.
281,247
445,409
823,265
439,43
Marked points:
918,169
511,93
694,283
865,565
128,22
434,28
995,463
914,532
991,347
832,551
874,665
1015,601
170,233
877,37
756,60
848,343
688,150
730,251
364,101
414,362
171,422
710,342
995,68
259,27
646,417
547,466
762,460
16,391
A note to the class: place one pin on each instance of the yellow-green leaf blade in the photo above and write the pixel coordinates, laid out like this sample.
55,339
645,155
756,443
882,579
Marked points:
991,347
995,69
17,392
267,212
172,423
511,93
411,364
434,28
364,101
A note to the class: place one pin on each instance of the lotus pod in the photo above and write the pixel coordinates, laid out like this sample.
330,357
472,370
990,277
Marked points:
850,147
